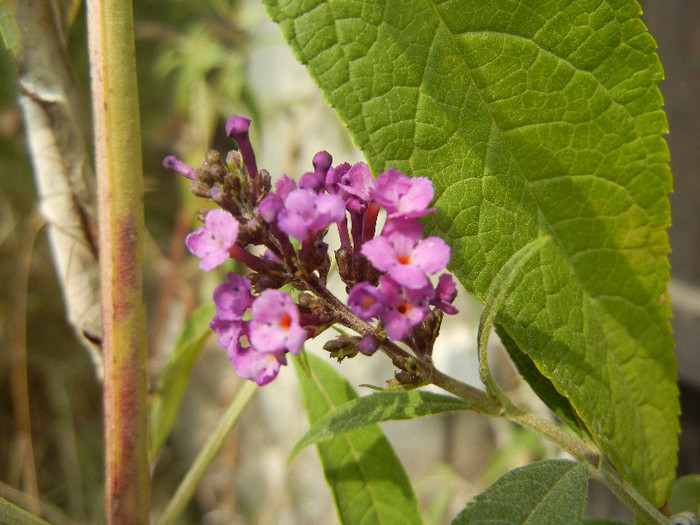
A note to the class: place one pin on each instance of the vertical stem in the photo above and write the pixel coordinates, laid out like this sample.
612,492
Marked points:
120,189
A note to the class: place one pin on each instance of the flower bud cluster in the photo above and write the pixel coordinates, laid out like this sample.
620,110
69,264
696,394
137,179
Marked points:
387,275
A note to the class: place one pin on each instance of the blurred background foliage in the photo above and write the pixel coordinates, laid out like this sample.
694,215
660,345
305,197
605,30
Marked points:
191,60
199,62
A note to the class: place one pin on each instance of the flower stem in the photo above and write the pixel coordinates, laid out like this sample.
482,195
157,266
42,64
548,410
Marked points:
120,188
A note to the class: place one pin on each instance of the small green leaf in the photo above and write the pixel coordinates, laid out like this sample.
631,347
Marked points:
11,514
368,482
549,492
375,408
685,495
173,380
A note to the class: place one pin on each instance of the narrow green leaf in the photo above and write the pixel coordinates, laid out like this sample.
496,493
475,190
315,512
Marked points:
549,492
532,119
173,380
368,482
601,521
376,408
8,25
11,514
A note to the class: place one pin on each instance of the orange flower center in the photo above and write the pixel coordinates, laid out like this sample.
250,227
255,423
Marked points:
404,308
286,322
404,259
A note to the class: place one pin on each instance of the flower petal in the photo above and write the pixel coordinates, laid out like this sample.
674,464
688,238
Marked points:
380,253
431,255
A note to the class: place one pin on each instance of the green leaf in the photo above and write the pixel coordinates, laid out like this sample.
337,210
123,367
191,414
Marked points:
685,496
494,302
601,521
495,298
533,119
542,386
376,408
8,25
549,492
367,480
11,514
173,380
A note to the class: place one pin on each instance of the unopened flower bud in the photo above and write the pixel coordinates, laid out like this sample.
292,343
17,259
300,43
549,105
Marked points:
237,128
368,344
234,161
342,347
213,157
345,263
171,162
425,334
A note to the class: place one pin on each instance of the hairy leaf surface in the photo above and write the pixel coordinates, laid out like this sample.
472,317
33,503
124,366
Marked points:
533,118
549,492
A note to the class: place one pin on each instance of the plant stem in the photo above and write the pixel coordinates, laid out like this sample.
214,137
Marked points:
627,494
582,451
120,189
496,403
194,476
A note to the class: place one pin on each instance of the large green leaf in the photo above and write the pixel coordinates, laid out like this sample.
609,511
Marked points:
532,118
368,482
550,492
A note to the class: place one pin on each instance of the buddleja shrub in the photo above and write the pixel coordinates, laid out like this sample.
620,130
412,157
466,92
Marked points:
534,130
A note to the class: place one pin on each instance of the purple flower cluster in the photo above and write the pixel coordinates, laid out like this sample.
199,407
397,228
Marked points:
404,293
273,328
387,275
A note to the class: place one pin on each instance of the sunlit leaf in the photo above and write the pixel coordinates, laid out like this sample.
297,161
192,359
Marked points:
533,119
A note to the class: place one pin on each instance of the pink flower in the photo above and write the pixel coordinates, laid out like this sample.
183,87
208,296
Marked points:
445,294
306,212
212,241
356,186
273,203
228,332
400,252
275,323
233,298
405,307
365,301
316,181
402,196
260,367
